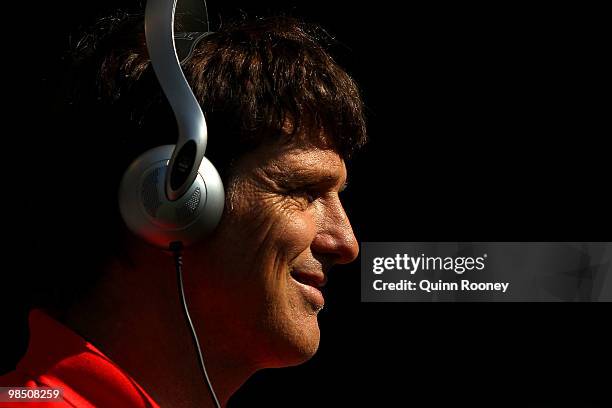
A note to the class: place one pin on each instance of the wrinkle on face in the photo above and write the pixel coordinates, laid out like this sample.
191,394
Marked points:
268,228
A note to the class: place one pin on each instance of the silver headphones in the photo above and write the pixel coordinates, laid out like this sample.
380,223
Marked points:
172,194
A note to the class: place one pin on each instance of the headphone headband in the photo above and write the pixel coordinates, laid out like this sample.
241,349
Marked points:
192,132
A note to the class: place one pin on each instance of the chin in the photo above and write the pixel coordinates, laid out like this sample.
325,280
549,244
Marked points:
296,346
308,345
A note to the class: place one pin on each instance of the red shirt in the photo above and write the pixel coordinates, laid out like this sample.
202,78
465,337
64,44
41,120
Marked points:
58,357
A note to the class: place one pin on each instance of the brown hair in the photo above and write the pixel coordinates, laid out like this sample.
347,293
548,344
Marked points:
251,78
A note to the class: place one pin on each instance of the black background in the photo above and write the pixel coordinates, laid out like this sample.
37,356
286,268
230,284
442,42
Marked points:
486,123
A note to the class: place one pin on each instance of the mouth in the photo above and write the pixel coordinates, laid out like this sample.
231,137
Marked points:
310,284
315,279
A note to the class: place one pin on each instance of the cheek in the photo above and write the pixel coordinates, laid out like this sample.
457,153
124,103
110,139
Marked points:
283,235
275,225
263,233
296,232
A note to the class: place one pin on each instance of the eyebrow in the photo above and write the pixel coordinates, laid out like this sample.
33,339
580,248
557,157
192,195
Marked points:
308,178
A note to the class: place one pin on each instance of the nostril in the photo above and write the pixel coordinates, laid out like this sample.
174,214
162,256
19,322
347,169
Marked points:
338,248
348,249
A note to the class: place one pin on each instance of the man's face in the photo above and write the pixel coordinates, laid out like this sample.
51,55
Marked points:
258,278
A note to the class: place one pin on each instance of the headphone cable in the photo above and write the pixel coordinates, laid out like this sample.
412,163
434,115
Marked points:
176,248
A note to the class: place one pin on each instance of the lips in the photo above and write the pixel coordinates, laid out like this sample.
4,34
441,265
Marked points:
314,279
310,284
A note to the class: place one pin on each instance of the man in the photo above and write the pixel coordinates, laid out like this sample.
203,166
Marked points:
282,119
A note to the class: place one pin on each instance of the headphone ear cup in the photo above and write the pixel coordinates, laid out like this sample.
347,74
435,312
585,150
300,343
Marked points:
149,214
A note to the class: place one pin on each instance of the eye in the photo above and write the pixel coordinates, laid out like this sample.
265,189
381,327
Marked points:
307,195
310,197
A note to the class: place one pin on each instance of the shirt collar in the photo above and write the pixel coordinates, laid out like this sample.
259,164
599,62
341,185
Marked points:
58,357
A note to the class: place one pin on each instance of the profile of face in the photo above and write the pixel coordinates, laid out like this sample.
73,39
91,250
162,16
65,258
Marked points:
257,280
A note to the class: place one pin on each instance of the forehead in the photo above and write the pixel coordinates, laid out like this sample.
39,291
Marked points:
296,160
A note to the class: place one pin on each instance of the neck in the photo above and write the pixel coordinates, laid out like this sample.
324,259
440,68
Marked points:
135,317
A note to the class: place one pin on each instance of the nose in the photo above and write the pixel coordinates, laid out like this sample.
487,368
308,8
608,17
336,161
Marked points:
335,237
